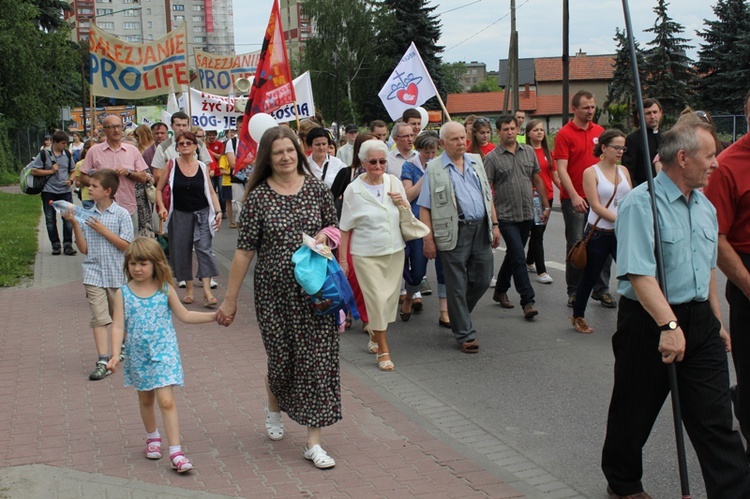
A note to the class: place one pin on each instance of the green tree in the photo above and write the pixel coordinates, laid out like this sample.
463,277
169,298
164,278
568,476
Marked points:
622,87
668,69
724,58
341,56
489,84
401,22
39,65
452,72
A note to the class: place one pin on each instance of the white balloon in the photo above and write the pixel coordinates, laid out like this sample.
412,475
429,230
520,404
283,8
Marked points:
425,117
258,125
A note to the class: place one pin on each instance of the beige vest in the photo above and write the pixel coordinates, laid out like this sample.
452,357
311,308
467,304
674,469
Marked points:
444,211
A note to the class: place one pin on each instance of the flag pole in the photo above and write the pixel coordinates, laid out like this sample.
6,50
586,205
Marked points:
442,105
660,274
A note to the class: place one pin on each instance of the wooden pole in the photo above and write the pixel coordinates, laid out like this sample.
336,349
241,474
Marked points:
442,105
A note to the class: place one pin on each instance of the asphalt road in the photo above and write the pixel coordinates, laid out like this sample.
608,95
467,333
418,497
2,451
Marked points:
537,387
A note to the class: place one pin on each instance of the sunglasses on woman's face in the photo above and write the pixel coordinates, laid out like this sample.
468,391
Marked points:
181,144
374,162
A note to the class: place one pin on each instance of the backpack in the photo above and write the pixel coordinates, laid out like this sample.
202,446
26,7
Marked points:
324,282
31,184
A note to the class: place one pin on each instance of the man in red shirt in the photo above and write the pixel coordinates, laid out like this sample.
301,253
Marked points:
729,191
574,152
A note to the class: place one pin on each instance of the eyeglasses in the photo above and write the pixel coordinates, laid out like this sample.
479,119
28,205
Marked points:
183,143
374,162
112,127
619,148
405,135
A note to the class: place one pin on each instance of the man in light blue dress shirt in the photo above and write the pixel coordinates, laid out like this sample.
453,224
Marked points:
463,227
654,330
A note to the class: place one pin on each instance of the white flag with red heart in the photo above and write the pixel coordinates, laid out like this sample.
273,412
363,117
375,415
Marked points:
410,85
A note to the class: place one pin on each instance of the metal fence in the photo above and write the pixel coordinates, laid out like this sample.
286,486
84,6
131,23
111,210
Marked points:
25,144
730,127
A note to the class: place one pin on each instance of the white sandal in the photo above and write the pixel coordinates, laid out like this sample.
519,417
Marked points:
372,347
385,365
274,425
319,457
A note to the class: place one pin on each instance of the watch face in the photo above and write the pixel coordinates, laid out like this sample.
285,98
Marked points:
672,325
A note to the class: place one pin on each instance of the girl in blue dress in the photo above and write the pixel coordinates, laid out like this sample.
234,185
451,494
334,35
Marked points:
143,318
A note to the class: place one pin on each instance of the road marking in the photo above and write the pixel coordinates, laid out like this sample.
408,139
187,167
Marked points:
552,265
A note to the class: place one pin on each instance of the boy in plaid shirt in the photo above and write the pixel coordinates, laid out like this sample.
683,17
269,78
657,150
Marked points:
103,239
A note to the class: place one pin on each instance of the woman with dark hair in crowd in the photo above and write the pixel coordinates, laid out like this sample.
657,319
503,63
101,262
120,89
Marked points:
324,166
481,137
601,182
536,137
282,201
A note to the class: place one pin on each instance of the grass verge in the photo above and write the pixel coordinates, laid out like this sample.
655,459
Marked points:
19,218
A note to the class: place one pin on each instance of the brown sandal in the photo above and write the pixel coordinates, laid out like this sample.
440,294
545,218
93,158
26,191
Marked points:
580,325
469,346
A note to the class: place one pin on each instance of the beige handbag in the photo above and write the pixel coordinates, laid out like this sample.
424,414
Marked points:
411,228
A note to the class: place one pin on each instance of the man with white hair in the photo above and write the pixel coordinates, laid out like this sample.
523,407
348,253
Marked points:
456,203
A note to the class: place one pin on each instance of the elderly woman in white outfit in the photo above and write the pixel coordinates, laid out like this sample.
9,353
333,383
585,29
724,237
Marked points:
370,224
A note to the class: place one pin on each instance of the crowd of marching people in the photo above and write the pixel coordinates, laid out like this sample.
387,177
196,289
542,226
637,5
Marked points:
384,204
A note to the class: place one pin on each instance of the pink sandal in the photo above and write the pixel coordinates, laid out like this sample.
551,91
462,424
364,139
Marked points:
153,448
180,462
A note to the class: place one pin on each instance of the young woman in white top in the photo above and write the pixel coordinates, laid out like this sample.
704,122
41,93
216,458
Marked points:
600,182
324,166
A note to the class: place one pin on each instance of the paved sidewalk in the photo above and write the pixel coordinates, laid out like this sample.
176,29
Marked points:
62,435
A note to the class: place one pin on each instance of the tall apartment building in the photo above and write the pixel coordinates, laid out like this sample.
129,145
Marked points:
297,28
209,22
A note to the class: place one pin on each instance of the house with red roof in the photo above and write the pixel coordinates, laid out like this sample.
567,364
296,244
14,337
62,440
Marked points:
543,98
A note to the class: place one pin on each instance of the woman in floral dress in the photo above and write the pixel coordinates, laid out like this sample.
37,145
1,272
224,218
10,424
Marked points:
283,201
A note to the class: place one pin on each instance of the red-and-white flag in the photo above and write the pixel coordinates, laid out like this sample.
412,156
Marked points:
410,85
272,87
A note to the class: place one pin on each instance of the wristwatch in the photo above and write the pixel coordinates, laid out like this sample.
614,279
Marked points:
669,326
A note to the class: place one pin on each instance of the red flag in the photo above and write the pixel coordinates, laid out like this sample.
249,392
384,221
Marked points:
271,89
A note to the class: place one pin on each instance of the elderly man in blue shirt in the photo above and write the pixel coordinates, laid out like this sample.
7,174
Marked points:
654,330
456,203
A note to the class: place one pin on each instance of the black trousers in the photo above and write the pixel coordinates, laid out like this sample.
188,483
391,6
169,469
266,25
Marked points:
739,321
641,386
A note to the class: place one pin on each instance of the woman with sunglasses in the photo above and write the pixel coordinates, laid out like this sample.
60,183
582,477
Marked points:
602,182
481,136
193,216
370,232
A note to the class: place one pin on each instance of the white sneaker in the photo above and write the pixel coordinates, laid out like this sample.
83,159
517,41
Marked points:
544,278
214,284
181,284
531,269
493,282
319,457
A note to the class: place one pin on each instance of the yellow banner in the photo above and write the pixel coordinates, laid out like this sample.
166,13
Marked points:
217,73
138,70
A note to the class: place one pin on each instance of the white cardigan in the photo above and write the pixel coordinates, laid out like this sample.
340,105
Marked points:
374,225
206,190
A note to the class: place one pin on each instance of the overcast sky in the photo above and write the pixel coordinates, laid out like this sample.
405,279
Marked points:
469,35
